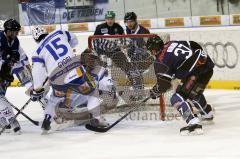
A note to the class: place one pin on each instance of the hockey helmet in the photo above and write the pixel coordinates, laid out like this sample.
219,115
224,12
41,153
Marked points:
38,32
12,25
110,14
154,43
130,16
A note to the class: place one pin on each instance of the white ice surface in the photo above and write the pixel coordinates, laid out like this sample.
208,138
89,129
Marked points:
129,139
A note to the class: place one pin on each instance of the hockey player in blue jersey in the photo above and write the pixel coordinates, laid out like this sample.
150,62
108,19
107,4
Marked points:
13,60
54,59
187,61
132,26
137,54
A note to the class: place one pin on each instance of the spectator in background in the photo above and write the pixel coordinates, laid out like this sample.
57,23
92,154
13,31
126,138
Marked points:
109,27
132,26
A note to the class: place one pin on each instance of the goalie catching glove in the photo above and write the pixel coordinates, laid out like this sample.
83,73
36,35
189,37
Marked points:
36,95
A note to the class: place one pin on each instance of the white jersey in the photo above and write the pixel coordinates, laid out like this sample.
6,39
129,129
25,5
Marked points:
53,52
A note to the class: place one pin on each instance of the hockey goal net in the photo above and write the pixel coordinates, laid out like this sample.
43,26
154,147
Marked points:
130,65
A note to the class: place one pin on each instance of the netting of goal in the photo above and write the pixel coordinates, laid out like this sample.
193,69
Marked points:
130,65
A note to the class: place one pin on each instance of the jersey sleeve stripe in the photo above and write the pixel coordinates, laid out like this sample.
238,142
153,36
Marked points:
165,75
195,61
37,59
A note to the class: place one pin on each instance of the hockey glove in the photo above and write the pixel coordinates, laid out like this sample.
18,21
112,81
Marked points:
5,72
154,92
36,95
11,57
15,57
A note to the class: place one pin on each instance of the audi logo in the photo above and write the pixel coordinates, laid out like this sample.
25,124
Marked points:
223,55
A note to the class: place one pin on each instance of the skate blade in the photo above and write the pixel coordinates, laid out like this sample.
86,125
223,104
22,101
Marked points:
7,131
196,132
207,122
18,132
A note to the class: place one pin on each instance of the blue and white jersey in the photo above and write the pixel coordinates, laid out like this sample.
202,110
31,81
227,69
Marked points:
52,52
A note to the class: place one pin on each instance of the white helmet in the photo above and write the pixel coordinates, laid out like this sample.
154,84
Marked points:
37,31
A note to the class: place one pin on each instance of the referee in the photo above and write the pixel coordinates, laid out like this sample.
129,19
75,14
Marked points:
109,27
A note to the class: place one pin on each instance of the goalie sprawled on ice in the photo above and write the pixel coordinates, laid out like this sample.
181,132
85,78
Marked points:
72,85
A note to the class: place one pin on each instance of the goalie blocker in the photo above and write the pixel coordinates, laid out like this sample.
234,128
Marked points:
187,61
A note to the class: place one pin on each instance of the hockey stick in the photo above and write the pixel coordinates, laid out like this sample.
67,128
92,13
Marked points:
14,118
26,116
100,129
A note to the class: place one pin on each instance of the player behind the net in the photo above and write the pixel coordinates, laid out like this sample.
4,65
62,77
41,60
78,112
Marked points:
185,60
139,57
54,59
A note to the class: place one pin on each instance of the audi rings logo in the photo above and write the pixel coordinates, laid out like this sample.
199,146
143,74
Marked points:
223,55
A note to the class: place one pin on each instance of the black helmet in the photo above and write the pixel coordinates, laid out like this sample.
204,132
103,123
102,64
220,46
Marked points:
130,16
12,25
154,43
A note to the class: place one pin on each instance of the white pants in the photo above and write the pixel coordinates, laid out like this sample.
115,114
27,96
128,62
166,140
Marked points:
6,111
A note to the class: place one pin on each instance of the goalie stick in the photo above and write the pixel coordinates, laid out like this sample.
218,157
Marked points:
23,107
105,129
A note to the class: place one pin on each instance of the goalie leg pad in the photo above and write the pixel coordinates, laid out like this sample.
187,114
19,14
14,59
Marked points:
53,101
77,107
94,106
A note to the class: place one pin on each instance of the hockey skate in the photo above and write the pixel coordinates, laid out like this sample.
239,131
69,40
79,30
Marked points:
7,129
46,124
15,126
193,128
208,116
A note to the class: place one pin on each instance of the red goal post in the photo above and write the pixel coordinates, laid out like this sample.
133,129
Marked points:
162,101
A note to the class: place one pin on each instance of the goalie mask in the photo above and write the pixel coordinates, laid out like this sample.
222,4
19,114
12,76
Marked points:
154,43
39,33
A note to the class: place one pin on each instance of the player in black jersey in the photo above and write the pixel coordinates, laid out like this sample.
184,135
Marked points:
185,60
13,60
109,27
